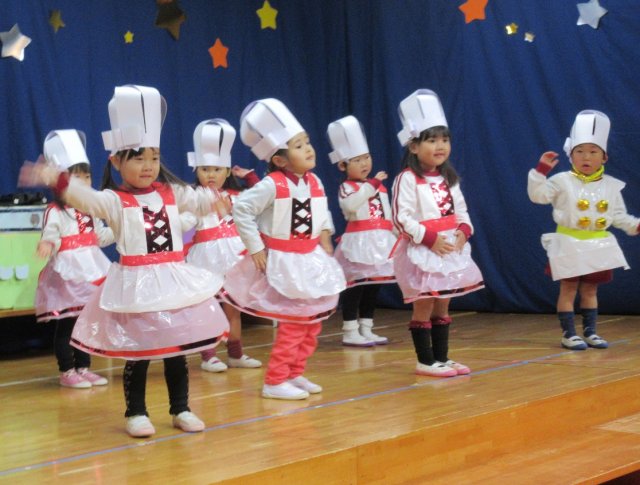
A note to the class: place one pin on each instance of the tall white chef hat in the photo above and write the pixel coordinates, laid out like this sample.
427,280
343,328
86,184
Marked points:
590,126
212,142
419,111
347,139
65,148
136,114
266,126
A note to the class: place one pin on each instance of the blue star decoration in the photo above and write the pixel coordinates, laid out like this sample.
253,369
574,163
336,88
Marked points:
590,13
14,43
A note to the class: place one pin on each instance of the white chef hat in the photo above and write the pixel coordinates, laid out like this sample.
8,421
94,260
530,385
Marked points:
419,111
590,126
266,126
136,114
212,142
65,148
347,139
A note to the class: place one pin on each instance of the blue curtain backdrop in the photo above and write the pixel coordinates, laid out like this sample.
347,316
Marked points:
507,100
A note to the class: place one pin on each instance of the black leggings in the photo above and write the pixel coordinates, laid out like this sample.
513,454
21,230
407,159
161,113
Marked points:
359,301
176,375
68,357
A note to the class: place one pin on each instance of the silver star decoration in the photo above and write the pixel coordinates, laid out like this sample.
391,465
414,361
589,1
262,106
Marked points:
14,43
590,13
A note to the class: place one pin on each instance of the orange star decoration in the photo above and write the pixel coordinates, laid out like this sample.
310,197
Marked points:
473,10
128,37
55,20
170,17
267,16
218,53
512,28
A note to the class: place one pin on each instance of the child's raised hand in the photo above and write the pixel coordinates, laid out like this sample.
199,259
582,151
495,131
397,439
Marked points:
44,249
240,172
260,260
382,175
442,247
38,174
550,159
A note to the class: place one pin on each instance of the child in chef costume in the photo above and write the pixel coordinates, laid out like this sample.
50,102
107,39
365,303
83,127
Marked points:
152,304
216,243
286,226
71,240
586,202
365,247
433,259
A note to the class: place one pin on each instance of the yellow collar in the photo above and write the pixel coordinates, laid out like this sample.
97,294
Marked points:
597,175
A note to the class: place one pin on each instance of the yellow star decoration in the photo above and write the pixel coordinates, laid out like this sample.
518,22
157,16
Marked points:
529,36
55,20
128,37
267,16
512,28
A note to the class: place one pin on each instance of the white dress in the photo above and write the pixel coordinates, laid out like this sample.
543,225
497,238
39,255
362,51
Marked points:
302,282
152,304
364,250
422,204
77,265
583,212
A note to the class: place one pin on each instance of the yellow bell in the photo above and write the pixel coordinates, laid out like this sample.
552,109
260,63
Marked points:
601,223
602,205
584,222
583,204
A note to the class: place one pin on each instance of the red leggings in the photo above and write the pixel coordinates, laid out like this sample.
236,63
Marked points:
295,343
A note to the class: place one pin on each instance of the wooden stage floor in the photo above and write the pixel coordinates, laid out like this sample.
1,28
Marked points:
525,404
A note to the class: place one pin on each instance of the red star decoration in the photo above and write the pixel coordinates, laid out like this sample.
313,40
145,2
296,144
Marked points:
218,53
473,10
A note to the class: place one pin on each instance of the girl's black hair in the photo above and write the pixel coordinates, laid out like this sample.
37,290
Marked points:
272,167
165,174
77,168
410,160
231,182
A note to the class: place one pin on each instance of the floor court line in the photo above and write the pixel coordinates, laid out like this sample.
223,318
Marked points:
71,459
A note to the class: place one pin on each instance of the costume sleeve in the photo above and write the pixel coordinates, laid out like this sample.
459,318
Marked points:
351,200
540,189
198,201
405,203
104,233
101,204
621,219
248,206
51,230
327,224
188,221
462,214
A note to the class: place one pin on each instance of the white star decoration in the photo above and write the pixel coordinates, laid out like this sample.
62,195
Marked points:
590,13
14,43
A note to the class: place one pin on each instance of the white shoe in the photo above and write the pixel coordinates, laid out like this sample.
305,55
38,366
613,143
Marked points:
352,338
305,384
438,369
461,369
139,427
244,362
573,343
366,326
286,391
213,365
188,422
596,341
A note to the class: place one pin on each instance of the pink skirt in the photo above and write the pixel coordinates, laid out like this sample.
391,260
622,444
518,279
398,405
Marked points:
417,284
57,298
249,291
365,274
149,335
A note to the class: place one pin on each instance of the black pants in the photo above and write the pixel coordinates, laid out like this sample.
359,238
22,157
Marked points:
176,375
68,357
359,301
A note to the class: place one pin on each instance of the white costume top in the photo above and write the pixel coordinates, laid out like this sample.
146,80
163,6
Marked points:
146,284
77,239
583,211
365,247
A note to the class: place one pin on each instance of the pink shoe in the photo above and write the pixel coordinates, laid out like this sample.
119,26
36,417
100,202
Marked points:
437,369
461,369
74,380
94,379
